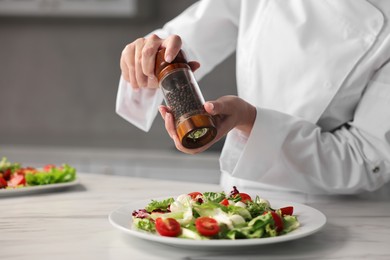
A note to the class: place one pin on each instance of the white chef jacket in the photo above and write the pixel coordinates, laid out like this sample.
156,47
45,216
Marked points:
318,73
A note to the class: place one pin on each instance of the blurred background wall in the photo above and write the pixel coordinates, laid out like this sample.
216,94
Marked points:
59,79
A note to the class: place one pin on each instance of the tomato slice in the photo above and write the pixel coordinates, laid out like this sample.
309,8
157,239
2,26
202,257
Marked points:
168,227
16,180
224,202
287,210
244,197
194,195
277,220
207,226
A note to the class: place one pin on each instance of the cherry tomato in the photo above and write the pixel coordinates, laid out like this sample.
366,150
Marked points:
195,194
48,167
16,180
277,220
168,227
224,202
207,226
244,197
286,210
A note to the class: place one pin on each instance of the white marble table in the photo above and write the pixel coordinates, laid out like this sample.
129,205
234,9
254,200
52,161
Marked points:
73,224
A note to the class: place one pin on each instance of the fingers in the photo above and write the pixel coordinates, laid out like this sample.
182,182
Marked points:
170,125
151,46
127,64
171,129
172,47
142,79
228,112
169,121
232,112
163,110
210,108
226,105
124,69
218,107
137,62
138,59
131,64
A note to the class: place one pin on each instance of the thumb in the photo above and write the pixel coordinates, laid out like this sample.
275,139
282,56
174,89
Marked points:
209,107
225,105
214,108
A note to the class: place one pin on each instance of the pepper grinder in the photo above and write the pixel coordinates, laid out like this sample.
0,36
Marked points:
194,126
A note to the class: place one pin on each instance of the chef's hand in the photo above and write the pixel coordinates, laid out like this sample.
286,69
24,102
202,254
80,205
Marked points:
138,59
228,111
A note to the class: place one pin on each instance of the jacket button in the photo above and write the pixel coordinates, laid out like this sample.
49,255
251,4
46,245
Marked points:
376,169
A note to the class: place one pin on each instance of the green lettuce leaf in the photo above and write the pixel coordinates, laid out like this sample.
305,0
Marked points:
208,208
159,205
243,212
216,197
144,224
290,223
257,207
62,174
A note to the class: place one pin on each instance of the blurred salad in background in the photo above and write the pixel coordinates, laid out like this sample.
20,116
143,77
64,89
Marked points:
14,175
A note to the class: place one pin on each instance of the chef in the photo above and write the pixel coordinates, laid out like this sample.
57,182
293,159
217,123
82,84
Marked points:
312,113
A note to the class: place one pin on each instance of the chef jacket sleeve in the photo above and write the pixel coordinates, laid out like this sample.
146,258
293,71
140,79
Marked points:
208,30
289,152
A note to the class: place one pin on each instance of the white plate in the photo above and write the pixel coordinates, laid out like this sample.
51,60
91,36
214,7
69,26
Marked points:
311,221
37,189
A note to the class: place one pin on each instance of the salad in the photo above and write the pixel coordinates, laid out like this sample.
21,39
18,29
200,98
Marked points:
215,215
13,175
